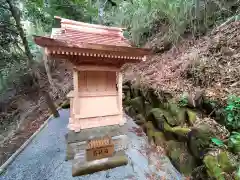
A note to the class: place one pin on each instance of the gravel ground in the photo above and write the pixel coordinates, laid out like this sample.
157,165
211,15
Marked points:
43,158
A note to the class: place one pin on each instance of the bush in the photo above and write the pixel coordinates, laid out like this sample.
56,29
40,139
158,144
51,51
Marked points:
233,113
234,142
172,18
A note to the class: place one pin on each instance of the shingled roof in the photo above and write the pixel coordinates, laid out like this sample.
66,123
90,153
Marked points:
79,32
80,39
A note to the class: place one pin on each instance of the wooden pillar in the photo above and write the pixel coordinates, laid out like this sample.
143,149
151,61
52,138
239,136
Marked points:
122,121
75,92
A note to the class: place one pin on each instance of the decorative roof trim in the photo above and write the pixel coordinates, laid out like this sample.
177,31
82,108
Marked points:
54,52
109,50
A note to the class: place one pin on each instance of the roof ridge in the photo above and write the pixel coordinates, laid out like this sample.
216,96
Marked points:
88,32
83,24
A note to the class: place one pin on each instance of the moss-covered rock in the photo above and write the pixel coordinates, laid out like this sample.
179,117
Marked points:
227,161
130,111
173,108
159,139
180,157
127,102
177,114
157,118
170,119
140,119
181,132
198,141
138,104
216,129
148,107
220,164
66,104
181,116
152,97
191,117
213,169
125,88
150,130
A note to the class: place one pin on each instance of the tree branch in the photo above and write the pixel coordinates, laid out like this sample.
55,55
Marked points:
4,28
4,7
7,23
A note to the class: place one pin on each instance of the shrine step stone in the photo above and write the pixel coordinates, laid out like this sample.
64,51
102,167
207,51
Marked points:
77,141
79,148
82,167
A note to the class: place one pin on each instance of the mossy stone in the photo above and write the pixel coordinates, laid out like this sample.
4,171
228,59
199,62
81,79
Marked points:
191,117
159,139
180,131
135,91
138,104
125,88
152,98
181,116
127,102
173,108
65,105
171,120
177,114
140,119
148,107
213,168
220,165
227,161
180,157
199,140
130,111
157,118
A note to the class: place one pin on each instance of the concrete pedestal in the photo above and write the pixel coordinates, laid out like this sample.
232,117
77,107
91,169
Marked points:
77,141
77,144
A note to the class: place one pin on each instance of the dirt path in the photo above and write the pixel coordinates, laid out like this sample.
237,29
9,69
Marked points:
43,159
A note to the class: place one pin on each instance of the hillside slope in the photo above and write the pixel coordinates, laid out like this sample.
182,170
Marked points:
210,63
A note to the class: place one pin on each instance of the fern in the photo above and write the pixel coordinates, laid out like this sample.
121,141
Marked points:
233,113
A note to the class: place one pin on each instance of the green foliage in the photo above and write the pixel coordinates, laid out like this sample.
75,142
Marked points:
172,18
234,142
183,100
11,53
238,172
37,11
36,17
213,168
233,113
217,142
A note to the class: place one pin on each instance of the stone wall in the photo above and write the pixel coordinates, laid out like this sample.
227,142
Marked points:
183,132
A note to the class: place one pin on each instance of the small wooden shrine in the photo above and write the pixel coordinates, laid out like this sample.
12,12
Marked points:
96,54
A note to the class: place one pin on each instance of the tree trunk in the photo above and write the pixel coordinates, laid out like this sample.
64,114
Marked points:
16,15
90,7
100,12
47,68
50,103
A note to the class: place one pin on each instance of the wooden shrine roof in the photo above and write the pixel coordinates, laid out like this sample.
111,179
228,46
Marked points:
77,39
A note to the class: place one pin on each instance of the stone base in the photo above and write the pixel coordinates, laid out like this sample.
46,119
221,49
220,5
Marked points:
82,168
77,141
79,148
86,134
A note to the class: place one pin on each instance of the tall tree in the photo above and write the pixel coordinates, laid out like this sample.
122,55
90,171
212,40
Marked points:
15,12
